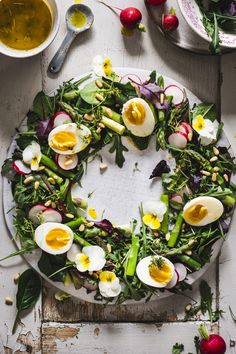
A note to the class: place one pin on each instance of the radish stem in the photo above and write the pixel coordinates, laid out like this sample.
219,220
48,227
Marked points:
176,231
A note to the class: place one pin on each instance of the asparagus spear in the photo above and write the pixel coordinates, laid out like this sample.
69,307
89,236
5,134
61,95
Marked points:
130,264
164,224
176,231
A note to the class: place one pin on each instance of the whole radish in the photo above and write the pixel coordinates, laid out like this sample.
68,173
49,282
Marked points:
170,21
211,344
156,2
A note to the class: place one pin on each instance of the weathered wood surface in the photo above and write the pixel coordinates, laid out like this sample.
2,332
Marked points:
20,80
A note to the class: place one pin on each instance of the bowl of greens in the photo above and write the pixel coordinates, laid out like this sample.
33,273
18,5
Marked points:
214,21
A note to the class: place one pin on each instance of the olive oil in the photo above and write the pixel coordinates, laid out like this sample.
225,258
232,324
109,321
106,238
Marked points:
78,19
24,24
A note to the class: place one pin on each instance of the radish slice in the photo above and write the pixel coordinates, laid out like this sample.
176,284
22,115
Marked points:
61,118
67,162
176,92
51,215
20,167
36,212
177,198
188,130
173,281
178,140
182,130
182,271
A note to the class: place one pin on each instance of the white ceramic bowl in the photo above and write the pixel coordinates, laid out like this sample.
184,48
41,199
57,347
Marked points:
15,53
193,16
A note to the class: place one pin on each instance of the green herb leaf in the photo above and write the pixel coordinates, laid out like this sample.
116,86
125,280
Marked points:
178,348
29,288
118,148
42,105
50,264
88,93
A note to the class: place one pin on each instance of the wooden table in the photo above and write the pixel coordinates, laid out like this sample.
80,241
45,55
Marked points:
74,326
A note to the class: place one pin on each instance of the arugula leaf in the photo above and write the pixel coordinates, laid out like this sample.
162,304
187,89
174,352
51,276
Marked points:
42,105
178,348
160,82
29,288
50,264
118,148
141,143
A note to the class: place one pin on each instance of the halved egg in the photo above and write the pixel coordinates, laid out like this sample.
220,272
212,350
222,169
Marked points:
68,139
54,238
138,117
202,211
156,271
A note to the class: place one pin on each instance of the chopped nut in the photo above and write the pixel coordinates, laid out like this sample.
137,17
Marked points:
98,130
155,233
16,278
108,112
53,205
8,300
103,167
190,136
167,236
226,177
215,150
205,173
28,180
68,162
41,168
90,273
36,185
90,224
162,97
214,177
55,177
81,228
48,203
99,97
109,247
188,307
101,125
70,216
99,83
189,253
216,169
88,117
51,180
213,159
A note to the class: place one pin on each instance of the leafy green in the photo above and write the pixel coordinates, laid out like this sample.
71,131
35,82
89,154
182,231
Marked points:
50,264
42,105
88,93
29,288
178,348
119,149
141,143
207,110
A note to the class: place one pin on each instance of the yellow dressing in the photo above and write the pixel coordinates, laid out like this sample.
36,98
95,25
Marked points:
195,213
135,113
63,141
78,19
57,238
24,24
161,275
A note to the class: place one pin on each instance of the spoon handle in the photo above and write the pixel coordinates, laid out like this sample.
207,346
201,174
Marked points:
59,58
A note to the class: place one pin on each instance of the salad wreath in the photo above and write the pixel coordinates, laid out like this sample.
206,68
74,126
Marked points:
178,229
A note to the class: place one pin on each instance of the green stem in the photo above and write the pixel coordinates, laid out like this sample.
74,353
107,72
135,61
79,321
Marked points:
71,95
15,323
176,231
130,265
52,174
203,331
17,253
69,109
47,162
164,224
111,124
111,114
179,250
192,263
82,241
74,224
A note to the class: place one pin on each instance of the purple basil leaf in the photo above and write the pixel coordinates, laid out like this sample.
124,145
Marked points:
160,168
150,91
224,226
231,9
165,106
194,183
105,225
43,130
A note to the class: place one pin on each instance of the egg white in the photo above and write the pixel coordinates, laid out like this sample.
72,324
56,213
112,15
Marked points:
144,129
142,271
214,209
40,237
81,133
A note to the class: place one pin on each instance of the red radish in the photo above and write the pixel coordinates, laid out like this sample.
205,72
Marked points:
173,281
181,270
170,21
182,129
176,201
36,212
51,215
156,2
188,129
178,140
61,118
176,92
211,344
67,162
20,167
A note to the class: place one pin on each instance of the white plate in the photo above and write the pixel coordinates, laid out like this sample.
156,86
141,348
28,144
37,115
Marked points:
128,190
193,16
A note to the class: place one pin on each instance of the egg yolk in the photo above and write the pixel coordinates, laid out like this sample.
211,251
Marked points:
161,275
198,123
135,113
57,238
195,213
63,141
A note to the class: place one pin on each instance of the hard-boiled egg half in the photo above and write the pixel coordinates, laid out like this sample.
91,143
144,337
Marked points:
138,117
156,271
68,139
54,238
202,211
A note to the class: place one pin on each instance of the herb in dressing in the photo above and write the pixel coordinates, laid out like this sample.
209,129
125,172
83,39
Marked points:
78,19
24,24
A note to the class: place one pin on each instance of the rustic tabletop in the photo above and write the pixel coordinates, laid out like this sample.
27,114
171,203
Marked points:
77,327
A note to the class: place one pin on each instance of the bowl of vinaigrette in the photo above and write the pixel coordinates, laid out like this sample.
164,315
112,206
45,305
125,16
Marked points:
27,27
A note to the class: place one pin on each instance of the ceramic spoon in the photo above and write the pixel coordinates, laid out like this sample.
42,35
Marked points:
59,58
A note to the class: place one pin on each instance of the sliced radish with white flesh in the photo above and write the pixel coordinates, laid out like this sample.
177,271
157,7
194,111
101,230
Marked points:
178,140
61,118
176,92
36,212
182,130
177,198
188,130
174,281
182,271
51,215
67,162
20,167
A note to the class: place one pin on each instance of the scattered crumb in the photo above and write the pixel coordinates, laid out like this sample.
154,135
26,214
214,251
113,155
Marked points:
103,167
90,194
136,169
8,300
16,278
